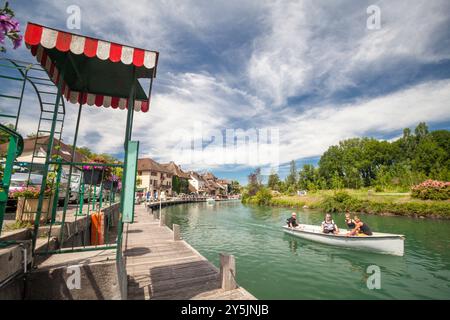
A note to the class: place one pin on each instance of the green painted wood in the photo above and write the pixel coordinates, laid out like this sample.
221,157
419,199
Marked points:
130,182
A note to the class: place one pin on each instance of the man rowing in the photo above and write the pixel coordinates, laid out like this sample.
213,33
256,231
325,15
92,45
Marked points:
292,221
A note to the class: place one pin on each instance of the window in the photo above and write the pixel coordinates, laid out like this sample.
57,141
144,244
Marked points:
139,173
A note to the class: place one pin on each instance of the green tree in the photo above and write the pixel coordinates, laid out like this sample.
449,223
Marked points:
273,181
85,151
291,179
235,187
4,137
308,177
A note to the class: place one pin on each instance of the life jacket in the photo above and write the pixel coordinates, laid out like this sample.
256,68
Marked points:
328,225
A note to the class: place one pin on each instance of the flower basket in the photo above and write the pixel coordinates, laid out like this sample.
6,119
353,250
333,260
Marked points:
92,176
27,209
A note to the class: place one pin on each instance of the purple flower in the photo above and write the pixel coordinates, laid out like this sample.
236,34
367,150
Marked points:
18,41
10,27
114,178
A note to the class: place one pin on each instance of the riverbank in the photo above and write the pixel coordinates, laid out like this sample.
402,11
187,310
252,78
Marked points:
360,201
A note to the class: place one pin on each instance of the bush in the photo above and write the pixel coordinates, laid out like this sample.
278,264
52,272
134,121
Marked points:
262,197
342,201
341,196
431,190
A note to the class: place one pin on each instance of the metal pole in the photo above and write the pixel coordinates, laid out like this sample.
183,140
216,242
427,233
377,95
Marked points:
81,199
21,98
160,205
47,158
69,182
128,130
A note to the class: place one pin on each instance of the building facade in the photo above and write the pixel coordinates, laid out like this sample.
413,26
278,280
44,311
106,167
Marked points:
155,178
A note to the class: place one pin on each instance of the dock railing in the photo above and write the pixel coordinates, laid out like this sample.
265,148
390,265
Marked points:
93,193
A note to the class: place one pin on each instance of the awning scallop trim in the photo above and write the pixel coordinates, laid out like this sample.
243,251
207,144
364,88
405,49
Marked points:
90,47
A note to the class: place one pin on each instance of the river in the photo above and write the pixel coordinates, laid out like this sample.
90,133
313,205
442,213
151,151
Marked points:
273,265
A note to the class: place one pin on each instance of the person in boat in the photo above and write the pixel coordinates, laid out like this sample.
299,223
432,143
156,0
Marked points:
349,221
328,225
360,228
292,221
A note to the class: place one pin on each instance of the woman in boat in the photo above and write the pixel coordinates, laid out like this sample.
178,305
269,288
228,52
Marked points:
328,225
349,221
292,221
360,228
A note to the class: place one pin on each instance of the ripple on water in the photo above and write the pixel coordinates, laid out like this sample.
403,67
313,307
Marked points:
274,265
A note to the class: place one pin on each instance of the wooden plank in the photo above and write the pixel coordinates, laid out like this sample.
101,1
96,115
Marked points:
159,266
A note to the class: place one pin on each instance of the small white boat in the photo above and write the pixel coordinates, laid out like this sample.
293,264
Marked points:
210,201
380,242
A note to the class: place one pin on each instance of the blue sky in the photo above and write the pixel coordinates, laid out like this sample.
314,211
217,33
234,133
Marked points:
310,69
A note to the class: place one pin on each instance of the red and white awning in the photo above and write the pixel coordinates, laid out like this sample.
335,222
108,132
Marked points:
90,47
38,38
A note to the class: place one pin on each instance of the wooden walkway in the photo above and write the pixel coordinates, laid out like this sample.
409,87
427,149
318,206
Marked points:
160,268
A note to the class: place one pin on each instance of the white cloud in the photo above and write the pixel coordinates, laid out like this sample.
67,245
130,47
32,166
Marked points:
313,46
312,132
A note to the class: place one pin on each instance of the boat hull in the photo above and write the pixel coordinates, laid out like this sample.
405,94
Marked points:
379,242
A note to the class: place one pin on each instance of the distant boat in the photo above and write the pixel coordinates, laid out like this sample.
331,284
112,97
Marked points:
380,242
210,201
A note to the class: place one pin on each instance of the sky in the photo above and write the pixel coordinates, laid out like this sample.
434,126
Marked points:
289,78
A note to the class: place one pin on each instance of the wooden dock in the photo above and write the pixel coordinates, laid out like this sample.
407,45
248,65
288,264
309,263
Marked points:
160,267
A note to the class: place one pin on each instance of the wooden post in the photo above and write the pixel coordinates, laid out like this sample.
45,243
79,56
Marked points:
228,272
162,219
176,232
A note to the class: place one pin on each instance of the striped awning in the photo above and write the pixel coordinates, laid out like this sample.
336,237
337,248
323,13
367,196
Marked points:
43,42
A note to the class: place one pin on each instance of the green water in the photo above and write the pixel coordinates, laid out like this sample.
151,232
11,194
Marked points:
273,265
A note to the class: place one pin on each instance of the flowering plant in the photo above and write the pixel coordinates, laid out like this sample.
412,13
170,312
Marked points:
9,27
114,178
31,192
432,189
107,171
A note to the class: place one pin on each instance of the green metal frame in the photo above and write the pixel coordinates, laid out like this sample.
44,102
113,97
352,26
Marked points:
53,115
15,148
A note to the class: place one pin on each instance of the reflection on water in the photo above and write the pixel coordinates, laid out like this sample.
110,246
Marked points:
275,265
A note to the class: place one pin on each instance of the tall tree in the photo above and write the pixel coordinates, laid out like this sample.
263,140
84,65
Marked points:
273,181
254,182
291,179
308,176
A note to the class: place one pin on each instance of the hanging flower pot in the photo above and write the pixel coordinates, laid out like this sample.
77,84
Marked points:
107,185
112,183
92,175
